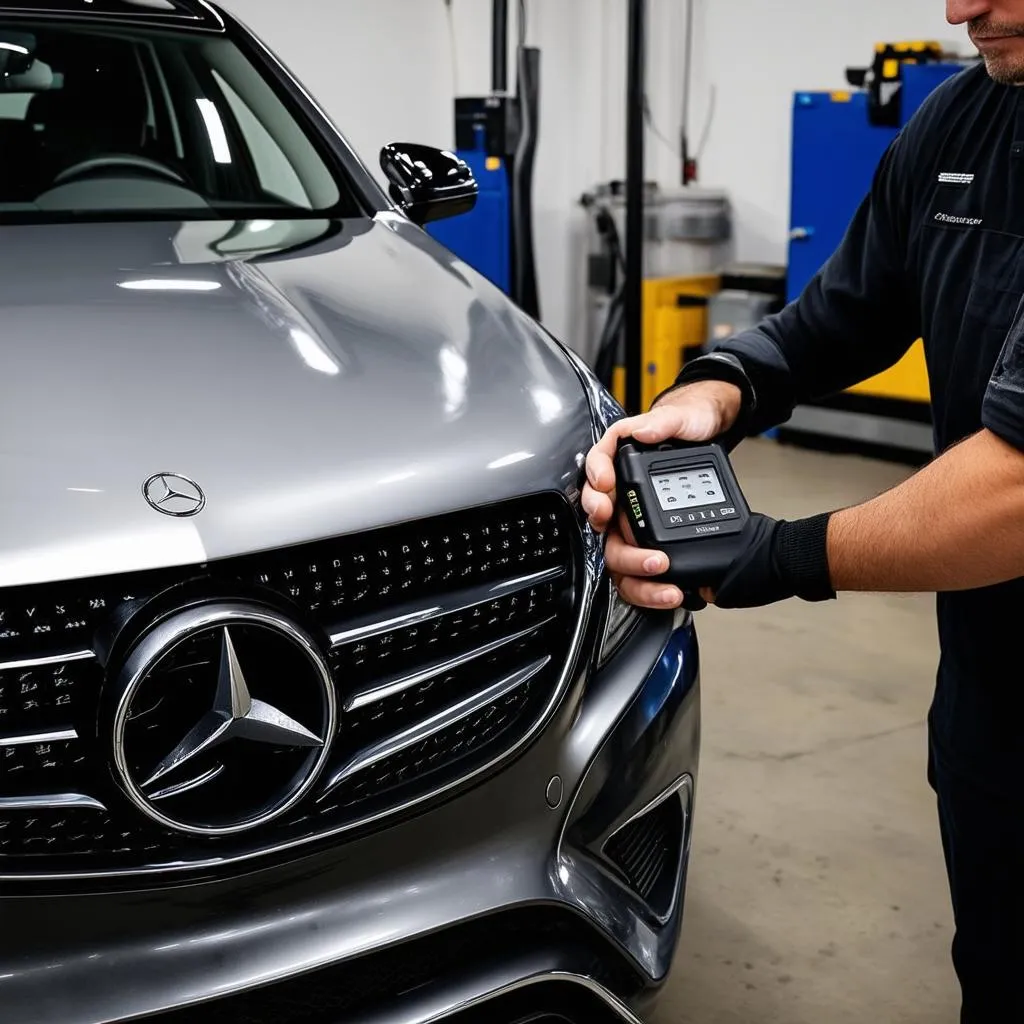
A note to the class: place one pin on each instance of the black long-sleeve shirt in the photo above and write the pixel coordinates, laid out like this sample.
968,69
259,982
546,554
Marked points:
936,250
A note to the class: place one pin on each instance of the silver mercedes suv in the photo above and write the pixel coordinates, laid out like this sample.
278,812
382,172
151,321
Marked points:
316,704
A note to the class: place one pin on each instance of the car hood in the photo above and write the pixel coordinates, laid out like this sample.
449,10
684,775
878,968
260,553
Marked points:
313,378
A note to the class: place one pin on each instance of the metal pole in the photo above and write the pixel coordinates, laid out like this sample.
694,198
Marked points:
499,47
687,169
634,297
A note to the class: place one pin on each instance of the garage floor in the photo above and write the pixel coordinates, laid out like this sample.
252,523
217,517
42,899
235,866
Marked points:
817,891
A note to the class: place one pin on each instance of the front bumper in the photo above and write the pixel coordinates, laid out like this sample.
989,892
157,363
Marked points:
491,897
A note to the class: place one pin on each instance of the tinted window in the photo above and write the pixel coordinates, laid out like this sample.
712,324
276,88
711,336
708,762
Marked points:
102,121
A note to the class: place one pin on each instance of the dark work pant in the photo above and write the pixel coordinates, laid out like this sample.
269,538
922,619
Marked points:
983,841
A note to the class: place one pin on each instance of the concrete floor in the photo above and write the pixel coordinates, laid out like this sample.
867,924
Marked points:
817,891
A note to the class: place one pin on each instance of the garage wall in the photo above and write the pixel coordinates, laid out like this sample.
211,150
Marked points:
358,58
755,55
387,70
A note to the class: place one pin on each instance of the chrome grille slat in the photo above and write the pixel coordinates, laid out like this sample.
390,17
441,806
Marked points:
449,641
25,739
460,602
51,801
50,659
437,723
438,668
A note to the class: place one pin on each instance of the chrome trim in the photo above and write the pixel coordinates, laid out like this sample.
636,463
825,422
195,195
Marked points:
457,601
183,787
214,13
595,988
438,668
50,659
684,781
522,582
587,562
376,627
63,801
436,723
57,736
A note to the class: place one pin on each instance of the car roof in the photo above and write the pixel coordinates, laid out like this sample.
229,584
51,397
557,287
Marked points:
194,14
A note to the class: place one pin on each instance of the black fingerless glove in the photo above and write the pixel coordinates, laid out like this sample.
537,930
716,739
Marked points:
779,560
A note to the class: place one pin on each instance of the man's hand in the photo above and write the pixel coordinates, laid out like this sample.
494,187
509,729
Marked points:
696,412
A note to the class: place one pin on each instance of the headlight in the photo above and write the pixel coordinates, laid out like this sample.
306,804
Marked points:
620,621
621,618
604,408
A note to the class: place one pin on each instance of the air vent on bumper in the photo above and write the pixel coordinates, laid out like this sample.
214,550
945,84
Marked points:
646,851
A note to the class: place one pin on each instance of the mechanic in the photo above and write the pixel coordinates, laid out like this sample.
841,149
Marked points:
936,250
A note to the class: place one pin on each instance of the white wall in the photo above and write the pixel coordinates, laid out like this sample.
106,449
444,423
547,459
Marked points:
384,70
757,54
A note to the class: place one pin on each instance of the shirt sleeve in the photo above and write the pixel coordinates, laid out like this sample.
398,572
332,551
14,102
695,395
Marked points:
856,317
1002,410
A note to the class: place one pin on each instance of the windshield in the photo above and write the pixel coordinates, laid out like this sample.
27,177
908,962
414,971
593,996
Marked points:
107,122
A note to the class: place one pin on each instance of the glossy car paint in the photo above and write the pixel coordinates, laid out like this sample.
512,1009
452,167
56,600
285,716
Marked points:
351,376
317,378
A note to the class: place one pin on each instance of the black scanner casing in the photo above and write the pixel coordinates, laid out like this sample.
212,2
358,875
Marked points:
697,556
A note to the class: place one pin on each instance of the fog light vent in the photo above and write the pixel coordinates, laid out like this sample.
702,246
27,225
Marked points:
647,850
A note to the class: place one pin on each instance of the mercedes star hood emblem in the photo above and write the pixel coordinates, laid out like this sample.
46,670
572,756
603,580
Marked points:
174,495
225,719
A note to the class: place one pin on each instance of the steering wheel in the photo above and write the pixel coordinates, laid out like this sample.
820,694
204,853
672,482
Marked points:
114,160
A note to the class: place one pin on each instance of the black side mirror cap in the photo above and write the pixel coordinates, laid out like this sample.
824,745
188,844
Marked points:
428,183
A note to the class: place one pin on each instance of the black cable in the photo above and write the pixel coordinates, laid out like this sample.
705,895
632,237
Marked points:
615,242
522,23
604,222
608,343
524,269
657,132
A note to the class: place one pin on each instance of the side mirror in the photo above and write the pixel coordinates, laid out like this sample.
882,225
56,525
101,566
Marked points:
428,183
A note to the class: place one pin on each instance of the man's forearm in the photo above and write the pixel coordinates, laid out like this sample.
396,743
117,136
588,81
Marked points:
955,525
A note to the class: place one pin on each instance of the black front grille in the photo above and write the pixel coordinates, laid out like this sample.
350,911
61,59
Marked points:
446,639
647,852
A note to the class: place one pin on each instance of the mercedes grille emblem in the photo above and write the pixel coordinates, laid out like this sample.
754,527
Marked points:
224,720
174,495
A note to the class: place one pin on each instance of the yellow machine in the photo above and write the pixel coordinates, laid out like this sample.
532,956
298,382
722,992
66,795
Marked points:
676,327
675,320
